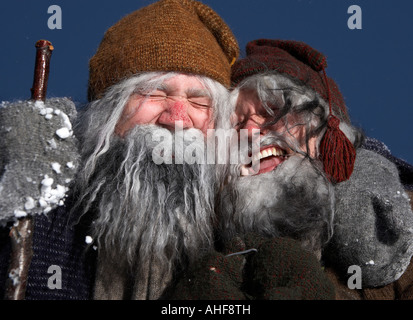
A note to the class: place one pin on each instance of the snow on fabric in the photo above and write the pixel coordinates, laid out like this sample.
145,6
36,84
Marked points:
39,156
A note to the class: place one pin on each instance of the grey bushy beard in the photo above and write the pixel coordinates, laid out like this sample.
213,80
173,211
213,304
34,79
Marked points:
295,200
145,211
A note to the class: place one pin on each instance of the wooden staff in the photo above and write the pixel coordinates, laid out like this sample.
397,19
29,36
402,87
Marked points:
21,234
41,70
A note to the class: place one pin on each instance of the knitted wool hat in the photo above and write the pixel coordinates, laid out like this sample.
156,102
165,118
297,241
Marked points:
168,35
294,58
299,61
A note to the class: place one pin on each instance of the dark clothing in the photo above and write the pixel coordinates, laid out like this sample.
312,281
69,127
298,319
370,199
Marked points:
58,241
55,242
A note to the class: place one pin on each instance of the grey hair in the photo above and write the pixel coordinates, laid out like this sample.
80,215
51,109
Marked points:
144,212
96,123
294,96
295,200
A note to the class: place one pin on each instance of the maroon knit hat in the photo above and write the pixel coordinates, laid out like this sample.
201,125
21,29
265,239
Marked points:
299,61
295,59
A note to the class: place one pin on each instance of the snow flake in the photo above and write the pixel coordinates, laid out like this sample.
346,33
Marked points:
47,182
30,203
42,203
66,130
66,121
56,167
20,213
47,209
14,276
39,104
63,133
50,196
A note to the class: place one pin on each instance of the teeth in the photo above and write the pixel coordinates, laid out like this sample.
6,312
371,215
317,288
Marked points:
268,152
273,151
278,152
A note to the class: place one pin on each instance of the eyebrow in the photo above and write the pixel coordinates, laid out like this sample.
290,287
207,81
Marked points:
198,93
191,92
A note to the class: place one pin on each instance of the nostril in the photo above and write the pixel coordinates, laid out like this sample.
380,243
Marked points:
176,112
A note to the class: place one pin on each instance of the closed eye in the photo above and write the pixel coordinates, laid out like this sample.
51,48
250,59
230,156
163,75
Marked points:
196,101
156,96
200,102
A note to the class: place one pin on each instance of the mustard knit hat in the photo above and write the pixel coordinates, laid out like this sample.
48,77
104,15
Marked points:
168,35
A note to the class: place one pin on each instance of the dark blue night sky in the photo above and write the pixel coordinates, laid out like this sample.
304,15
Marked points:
373,66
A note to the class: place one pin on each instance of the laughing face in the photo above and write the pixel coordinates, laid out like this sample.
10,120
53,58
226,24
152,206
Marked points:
275,116
283,191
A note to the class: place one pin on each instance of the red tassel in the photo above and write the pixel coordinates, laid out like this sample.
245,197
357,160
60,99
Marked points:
337,152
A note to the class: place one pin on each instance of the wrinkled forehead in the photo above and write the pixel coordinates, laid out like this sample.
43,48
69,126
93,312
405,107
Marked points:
171,82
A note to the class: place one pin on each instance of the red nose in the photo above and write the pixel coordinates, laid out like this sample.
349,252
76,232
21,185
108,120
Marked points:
176,112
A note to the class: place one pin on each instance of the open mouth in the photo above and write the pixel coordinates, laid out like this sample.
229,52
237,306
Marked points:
268,159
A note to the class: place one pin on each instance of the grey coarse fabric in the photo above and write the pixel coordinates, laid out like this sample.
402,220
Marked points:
38,158
405,168
373,222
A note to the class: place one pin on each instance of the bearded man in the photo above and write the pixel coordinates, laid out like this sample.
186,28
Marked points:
313,182
283,104
158,81
162,70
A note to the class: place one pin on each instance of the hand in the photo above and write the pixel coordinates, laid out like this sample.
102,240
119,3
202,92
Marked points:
282,270
214,277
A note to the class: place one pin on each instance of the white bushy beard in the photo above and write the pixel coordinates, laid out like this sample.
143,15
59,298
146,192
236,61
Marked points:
148,214
295,200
